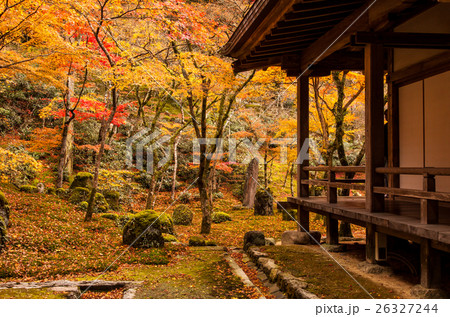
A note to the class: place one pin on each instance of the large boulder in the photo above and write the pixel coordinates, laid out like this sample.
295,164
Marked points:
183,215
254,238
82,179
264,203
143,230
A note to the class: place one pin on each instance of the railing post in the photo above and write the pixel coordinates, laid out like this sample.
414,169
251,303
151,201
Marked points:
331,191
332,230
429,210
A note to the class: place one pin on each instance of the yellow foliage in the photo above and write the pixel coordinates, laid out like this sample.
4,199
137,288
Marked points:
17,167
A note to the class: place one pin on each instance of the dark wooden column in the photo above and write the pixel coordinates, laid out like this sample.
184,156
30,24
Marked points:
302,137
370,243
374,112
430,265
393,125
332,230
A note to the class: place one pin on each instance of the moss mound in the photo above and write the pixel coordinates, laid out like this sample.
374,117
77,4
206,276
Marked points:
61,192
101,205
82,179
79,195
183,215
165,221
51,191
143,230
28,189
219,217
83,205
112,198
3,233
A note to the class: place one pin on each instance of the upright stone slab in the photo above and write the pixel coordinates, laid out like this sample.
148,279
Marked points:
251,183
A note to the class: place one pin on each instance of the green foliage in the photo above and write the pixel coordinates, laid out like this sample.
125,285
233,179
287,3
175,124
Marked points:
28,189
17,167
82,179
219,217
238,192
100,205
3,201
183,215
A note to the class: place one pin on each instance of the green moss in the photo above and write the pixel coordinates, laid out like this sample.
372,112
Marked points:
183,215
34,293
165,221
169,238
219,217
28,189
82,179
101,205
217,196
3,233
197,242
79,195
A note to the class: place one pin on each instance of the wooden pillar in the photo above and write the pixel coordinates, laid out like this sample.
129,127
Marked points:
429,212
430,265
370,243
331,191
393,126
332,230
302,137
374,113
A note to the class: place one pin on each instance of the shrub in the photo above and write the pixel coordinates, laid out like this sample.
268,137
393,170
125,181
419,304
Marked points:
184,198
28,189
17,167
218,217
183,215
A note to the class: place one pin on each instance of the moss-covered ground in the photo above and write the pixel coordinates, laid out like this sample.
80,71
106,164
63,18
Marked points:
324,276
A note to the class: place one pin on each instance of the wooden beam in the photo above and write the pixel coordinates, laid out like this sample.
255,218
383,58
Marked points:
393,124
374,114
332,230
403,39
331,190
430,265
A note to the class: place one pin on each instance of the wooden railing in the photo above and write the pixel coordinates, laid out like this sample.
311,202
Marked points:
429,198
332,184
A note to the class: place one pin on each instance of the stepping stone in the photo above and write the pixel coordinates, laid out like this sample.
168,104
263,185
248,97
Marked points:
273,289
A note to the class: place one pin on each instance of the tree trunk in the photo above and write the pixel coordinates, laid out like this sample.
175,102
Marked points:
204,198
250,184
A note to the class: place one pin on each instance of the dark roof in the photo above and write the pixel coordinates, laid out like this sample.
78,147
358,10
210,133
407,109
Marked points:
298,33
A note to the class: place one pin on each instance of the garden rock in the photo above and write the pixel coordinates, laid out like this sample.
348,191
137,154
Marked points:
40,188
112,197
28,189
294,237
4,209
254,238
